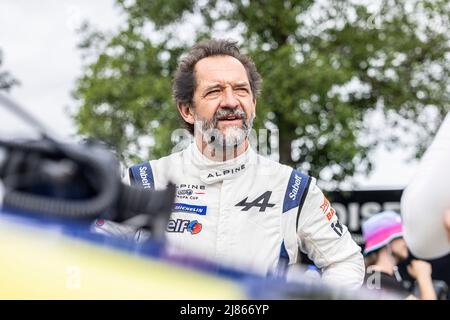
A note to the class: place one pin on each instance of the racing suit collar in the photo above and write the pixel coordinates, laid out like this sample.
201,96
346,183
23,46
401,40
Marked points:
216,171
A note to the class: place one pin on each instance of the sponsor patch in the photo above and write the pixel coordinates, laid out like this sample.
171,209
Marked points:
190,191
181,226
262,202
185,192
142,175
297,185
337,227
189,208
194,187
327,209
226,172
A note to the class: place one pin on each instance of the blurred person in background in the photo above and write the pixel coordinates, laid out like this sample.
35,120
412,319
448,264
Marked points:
425,202
384,249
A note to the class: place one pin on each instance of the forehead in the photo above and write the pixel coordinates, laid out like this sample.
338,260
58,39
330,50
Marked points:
219,69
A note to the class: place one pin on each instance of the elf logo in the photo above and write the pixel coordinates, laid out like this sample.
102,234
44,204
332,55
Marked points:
181,226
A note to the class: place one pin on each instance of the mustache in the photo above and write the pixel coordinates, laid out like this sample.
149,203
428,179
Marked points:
211,133
228,112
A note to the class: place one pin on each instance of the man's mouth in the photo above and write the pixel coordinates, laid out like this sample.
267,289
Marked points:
230,120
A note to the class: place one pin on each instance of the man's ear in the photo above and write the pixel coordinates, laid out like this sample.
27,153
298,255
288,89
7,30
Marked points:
254,105
185,110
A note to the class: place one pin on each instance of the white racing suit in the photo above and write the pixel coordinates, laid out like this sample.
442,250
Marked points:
253,213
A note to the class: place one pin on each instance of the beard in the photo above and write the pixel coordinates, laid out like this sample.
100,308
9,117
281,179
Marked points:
232,136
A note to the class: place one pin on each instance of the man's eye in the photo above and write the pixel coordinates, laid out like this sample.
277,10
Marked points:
212,92
242,90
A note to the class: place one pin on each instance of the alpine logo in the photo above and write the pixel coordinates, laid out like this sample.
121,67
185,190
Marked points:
191,186
189,208
262,202
181,226
190,191
144,178
226,172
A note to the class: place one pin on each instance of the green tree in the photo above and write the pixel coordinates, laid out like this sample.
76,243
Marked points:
7,81
326,66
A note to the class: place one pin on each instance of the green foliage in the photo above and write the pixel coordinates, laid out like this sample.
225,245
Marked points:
325,68
7,81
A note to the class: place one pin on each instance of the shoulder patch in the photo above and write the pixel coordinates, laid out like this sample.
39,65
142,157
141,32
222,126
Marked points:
141,175
296,190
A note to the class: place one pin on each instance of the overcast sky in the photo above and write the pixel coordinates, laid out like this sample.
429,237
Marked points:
39,39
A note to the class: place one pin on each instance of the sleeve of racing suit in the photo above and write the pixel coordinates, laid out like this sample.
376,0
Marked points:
129,229
126,178
328,243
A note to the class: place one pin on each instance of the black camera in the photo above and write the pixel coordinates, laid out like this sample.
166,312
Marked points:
74,181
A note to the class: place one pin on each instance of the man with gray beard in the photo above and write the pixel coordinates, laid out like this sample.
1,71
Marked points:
233,206
235,134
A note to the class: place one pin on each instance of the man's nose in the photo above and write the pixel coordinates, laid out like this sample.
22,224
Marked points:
229,99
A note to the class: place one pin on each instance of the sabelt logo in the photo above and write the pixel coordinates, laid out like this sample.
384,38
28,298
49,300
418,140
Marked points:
295,190
295,187
144,177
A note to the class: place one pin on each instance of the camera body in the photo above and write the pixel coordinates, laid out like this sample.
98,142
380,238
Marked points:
76,182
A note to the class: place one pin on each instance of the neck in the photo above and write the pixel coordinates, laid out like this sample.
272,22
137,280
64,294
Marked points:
221,153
